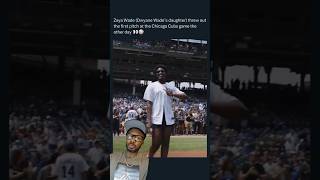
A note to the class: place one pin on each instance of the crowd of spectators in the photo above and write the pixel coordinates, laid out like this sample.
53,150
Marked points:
167,46
190,114
273,142
39,131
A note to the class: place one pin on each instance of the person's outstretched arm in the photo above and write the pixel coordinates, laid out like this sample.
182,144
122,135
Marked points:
176,93
226,105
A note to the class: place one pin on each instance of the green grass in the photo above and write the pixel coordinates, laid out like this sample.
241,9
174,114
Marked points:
177,143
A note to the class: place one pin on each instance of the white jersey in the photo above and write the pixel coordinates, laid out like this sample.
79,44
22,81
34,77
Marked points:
69,166
131,115
161,102
95,155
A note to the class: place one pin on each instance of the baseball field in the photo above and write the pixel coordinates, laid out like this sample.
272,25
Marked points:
180,146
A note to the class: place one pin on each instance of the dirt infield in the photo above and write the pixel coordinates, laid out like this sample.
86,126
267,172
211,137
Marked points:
185,154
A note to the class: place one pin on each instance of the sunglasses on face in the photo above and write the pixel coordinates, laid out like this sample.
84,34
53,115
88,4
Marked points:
135,137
